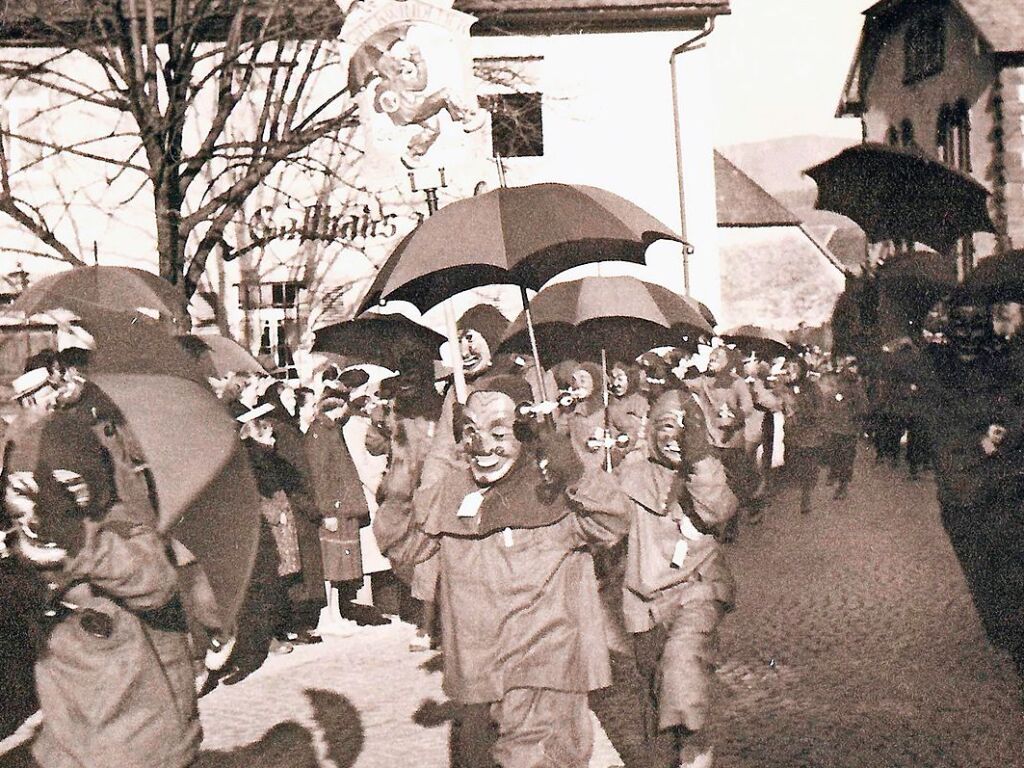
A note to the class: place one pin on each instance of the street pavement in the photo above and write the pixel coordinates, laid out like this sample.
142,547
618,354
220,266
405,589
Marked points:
854,643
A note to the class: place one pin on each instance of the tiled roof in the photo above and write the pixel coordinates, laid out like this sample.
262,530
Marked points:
742,202
1000,22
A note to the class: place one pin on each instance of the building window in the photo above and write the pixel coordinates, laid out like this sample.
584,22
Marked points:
953,136
283,295
517,124
924,46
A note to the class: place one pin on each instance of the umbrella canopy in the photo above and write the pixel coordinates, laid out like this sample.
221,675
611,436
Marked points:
623,315
120,289
764,341
363,64
384,340
901,194
123,343
999,277
519,235
206,495
917,281
217,356
703,308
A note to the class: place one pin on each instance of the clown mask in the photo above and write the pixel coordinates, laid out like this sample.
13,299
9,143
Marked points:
488,436
476,353
618,383
668,430
581,384
718,360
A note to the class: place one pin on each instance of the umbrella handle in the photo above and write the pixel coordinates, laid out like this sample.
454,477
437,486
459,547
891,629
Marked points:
533,343
607,418
458,374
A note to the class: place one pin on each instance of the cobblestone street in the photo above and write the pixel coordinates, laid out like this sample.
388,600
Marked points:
854,644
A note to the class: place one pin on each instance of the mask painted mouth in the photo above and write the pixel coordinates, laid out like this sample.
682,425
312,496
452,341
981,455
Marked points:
41,554
471,361
489,461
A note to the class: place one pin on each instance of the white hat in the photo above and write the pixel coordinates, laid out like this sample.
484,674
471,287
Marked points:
30,382
255,413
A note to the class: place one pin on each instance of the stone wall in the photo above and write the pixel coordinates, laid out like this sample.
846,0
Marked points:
1010,134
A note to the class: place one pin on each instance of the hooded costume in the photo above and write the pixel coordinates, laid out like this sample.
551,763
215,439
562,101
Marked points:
114,678
628,412
520,612
676,585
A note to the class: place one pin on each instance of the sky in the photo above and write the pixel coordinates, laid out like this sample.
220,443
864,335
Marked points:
779,67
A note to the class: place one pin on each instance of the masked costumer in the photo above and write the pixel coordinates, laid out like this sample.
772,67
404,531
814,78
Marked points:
521,620
676,586
114,677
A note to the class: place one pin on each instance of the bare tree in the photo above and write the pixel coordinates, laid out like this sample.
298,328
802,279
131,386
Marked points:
163,81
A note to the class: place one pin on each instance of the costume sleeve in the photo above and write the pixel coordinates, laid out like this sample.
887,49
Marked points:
709,491
602,512
444,453
400,539
764,398
128,562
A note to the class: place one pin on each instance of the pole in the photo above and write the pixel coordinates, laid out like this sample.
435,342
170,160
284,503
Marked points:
458,374
533,343
607,418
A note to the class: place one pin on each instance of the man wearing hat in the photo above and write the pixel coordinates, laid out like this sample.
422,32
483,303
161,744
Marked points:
521,618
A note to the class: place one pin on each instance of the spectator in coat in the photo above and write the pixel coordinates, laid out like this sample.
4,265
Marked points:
676,584
521,620
338,503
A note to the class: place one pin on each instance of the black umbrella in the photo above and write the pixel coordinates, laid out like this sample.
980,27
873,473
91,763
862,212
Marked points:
766,342
917,281
902,194
384,340
998,277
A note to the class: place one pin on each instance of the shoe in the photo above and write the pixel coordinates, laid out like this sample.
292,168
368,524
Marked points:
236,675
218,653
363,615
280,648
300,638
419,643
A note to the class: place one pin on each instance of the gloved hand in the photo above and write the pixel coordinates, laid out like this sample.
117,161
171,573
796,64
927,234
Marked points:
557,459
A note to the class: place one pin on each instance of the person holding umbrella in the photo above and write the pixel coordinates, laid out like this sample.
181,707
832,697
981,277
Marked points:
521,620
114,678
802,405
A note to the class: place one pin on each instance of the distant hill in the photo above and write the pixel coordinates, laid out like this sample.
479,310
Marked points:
778,164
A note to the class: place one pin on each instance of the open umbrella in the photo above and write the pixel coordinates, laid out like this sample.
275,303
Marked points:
206,495
998,277
917,281
382,339
363,64
902,194
518,235
622,315
217,356
122,342
119,289
765,341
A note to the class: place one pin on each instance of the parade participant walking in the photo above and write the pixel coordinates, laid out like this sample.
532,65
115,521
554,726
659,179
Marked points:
727,404
627,409
405,433
802,410
114,678
520,611
846,407
676,586
588,418
759,430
